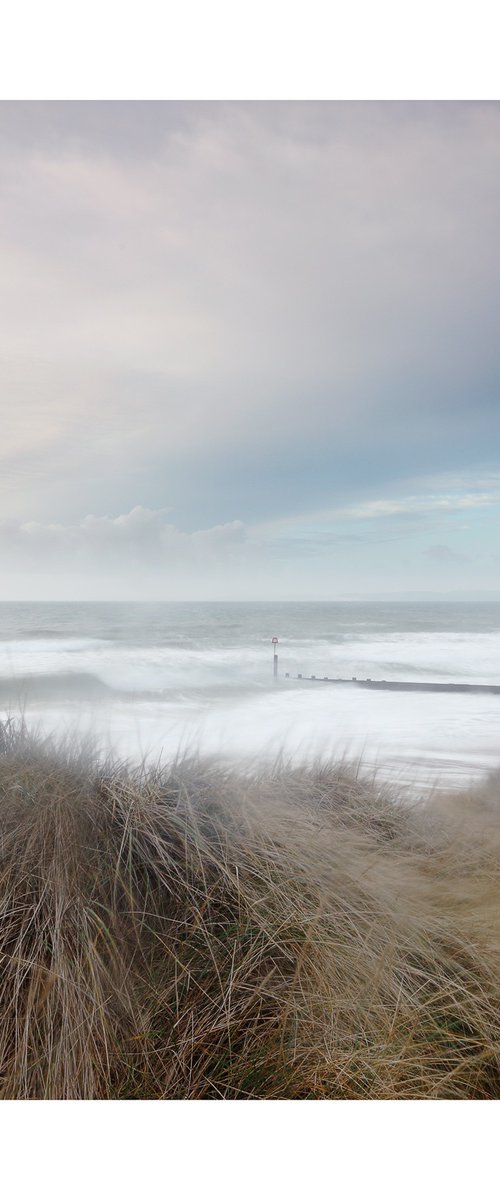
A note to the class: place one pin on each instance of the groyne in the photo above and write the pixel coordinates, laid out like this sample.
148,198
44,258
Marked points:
400,685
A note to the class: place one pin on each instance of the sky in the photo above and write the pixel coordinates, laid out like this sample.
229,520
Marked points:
249,350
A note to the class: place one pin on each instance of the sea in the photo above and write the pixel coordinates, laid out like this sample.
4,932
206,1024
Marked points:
155,680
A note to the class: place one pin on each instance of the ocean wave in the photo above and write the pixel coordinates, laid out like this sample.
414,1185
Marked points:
56,686
23,635
86,686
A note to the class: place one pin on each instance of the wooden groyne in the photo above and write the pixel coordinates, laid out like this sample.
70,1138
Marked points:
399,685
389,685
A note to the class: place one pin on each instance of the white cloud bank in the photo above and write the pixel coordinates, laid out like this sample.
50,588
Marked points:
418,505
139,551
142,554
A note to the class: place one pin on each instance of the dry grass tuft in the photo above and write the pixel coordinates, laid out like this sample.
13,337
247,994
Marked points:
190,933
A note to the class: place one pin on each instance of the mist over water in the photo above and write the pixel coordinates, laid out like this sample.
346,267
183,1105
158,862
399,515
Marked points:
156,678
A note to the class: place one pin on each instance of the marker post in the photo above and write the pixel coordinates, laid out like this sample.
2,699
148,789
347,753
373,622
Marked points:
275,657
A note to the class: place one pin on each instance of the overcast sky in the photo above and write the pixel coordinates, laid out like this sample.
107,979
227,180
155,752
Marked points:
249,350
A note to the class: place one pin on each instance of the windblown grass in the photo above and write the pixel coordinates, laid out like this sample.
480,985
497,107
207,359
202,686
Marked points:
189,933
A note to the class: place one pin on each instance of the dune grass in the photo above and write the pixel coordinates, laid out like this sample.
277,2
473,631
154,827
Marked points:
189,932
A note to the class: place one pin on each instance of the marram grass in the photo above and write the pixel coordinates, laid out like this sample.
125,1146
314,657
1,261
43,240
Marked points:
193,933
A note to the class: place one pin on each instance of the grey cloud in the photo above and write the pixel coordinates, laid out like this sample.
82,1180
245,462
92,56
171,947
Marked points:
197,296
125,128
441,553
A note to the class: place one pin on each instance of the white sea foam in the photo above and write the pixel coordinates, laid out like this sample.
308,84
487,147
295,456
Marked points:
437,656
200,678
418,738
